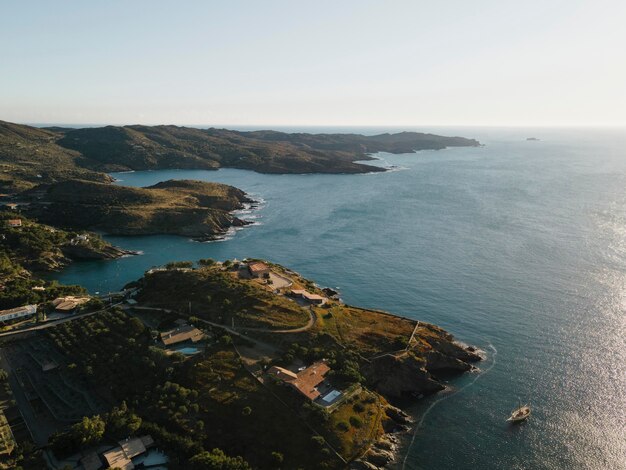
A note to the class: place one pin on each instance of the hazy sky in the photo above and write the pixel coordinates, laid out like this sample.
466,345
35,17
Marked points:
314,62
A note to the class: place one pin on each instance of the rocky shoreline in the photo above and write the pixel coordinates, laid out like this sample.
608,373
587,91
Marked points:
401,376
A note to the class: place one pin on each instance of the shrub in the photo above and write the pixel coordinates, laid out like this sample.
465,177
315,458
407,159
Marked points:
277,458
358,407
217,460
343,426
356,421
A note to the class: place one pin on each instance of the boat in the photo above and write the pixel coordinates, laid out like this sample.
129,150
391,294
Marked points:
520,414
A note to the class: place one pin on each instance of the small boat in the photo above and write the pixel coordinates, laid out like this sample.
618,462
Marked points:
519,414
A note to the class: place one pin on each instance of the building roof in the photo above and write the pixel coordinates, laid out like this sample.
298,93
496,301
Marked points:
305,381
19,311
310,378
147,441
116,458
258,267
132,447
65,304
307,295
24,308
282,374
91,462
180,334
15,222
120,457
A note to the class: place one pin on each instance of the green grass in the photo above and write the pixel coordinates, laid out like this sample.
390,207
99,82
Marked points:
219,296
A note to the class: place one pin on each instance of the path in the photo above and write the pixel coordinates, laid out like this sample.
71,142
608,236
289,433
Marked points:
237,330
301,329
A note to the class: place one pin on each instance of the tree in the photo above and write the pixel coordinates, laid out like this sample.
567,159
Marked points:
206,262
217,460
277,458
356,421
89,431
121,422
179,265
94,304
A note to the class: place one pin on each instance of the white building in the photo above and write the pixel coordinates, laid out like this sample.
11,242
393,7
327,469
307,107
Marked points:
18,312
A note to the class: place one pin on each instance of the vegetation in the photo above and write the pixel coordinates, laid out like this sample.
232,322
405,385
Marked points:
190,208
36,247
30,156
40,247
212,410
220,296
190,407
145,147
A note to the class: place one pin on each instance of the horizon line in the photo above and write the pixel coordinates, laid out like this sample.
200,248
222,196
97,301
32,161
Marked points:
317,125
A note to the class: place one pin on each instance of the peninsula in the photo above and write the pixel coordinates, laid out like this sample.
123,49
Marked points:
30,156
221,365
193,209
246,363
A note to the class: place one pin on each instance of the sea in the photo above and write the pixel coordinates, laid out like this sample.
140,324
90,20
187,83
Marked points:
517,247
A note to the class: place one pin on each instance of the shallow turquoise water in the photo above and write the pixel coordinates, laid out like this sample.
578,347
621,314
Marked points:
188,351
518,247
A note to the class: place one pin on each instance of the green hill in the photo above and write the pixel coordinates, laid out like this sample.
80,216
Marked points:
189,208
29,155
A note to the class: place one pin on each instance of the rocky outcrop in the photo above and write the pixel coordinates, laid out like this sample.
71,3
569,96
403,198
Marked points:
402,374
86,251
414,372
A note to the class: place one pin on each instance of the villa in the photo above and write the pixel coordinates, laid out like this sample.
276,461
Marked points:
258,269
314,299
181,335
69,303
14,223
306,381
121,457
18,312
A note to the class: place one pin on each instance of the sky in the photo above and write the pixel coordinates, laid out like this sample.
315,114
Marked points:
300,63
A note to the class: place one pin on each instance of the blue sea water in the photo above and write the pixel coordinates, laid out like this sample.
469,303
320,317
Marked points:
517,246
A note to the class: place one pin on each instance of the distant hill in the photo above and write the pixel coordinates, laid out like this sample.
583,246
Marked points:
30,155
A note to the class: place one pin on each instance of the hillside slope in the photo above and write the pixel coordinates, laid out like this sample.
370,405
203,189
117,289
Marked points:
189,208
29,155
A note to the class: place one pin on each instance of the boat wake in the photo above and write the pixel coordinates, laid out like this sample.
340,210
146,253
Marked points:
436,402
